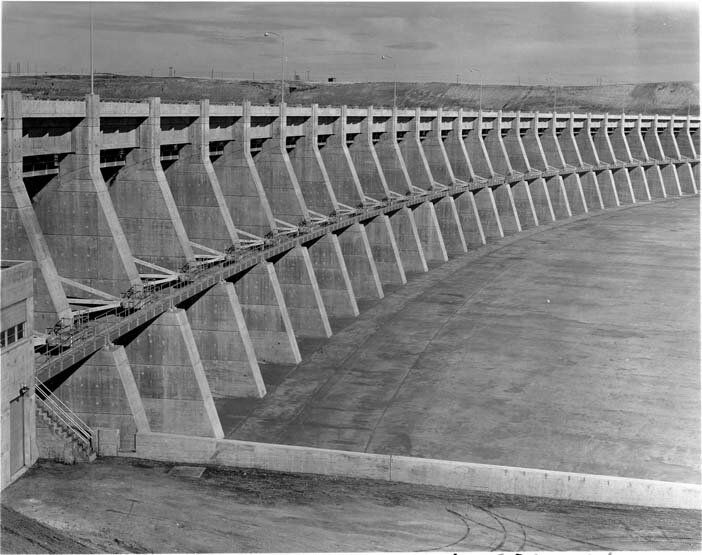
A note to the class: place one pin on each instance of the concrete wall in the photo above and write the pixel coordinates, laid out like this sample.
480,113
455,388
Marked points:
450,474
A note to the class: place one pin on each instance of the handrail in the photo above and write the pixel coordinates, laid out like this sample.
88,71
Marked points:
64,413
102,330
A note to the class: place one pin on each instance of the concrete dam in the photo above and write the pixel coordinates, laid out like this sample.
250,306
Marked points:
178,249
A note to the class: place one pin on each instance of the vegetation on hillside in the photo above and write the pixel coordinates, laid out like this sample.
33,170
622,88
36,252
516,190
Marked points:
662,98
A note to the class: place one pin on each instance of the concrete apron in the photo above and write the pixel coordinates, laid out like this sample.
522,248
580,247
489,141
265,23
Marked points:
531,482
468,476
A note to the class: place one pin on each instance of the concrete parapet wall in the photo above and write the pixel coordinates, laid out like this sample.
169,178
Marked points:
456,475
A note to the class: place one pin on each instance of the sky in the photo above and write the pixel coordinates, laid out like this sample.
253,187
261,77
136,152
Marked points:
566,43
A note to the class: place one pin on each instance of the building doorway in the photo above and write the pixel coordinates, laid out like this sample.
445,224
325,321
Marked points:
16,435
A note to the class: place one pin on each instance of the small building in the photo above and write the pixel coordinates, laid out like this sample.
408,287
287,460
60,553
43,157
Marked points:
18,437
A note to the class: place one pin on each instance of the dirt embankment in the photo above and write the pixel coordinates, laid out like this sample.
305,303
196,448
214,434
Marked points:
662,98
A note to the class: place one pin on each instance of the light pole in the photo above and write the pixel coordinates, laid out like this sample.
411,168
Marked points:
394,77
480,97
550,80
282,62
92,89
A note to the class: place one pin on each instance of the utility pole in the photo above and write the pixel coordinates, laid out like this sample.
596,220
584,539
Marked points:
456,78
308,74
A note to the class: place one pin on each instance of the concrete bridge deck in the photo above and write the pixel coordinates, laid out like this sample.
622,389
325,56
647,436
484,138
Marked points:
575,349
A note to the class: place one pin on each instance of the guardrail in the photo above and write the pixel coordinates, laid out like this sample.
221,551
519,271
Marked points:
64,414
100,332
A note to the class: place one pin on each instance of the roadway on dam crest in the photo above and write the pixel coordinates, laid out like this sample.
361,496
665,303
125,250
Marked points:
574,348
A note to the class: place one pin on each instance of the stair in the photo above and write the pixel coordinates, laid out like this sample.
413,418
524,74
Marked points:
67,433
65,424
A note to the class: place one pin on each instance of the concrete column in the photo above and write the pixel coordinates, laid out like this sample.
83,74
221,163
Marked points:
171,379
637,147
429,227
412,152
477,153
686,177
533,148
591,191
669,174
353,241
22,236
309,168
470,220
551,144
429,231
103,393
333,277
279,181
507,209
386,253
240,182
366,160
515,147
435,151
636,143
601,140
669,143
585,143
196,189
266,315
574,192
78,219
495,147
652,141
390,157
654,178
326,256
559,197
570,150
543,208
144,202
619,177
455,146
608,188
438,225
620,144
686,144
568,144
571,183
622,151
450,226
339,164
408,242
625,190
303,297
222,338
489,217
360,263
524,205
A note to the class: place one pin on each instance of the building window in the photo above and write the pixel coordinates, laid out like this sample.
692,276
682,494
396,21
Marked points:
12,334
